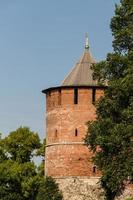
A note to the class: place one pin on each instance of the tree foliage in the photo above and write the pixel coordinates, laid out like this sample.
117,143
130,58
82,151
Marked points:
110,137
19,177
49,190
22,144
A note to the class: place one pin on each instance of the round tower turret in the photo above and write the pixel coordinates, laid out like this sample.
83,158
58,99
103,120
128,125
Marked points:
68,108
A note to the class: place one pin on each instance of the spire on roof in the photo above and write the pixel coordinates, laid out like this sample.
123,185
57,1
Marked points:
82,74
87,41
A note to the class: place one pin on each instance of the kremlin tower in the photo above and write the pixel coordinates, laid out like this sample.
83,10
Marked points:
68,108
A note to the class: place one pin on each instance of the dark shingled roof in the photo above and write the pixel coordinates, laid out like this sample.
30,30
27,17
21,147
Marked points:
81,74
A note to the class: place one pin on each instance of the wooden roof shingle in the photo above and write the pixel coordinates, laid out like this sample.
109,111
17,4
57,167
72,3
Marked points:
82,74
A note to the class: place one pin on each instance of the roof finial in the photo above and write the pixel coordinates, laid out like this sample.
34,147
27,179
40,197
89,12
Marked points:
86,41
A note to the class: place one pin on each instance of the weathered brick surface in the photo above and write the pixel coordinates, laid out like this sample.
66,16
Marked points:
63,156
69,160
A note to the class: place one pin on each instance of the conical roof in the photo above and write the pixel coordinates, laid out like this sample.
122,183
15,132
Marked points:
82,74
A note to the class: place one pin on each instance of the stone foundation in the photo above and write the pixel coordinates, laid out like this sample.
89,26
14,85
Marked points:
82,188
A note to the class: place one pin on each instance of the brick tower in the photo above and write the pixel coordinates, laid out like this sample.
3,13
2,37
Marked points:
68,108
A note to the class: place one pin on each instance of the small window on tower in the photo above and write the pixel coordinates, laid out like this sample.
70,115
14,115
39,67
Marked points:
59,97
76,132
94,169
93,95
56,133
75,96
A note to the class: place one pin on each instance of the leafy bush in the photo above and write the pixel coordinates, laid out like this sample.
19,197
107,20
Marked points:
49,190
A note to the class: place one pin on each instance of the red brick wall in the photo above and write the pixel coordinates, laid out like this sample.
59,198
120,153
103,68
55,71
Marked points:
63,156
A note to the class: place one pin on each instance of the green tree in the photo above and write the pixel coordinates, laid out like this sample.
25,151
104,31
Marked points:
22,144
49,190
2,151
41,152
19,176
110,137
10,185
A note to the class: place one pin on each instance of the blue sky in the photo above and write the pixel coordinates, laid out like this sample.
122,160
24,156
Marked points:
40,40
